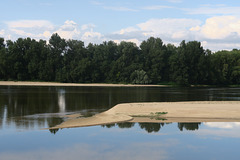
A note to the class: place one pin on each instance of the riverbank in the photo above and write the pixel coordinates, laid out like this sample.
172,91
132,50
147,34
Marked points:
25,83
202,111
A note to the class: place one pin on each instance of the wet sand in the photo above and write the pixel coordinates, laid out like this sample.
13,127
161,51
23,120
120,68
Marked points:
202,111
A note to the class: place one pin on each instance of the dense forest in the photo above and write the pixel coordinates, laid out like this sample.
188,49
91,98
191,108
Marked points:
152,62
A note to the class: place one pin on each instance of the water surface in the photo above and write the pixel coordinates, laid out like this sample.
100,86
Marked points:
26,110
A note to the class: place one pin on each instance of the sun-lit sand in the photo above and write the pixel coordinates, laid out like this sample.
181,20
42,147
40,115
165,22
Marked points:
23,83
202,111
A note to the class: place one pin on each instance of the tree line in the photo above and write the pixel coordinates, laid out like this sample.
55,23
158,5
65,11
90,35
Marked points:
152,62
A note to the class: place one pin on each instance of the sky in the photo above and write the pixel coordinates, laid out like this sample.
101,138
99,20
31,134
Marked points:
215,23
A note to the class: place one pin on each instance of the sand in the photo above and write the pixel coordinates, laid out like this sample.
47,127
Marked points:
202,111
23,83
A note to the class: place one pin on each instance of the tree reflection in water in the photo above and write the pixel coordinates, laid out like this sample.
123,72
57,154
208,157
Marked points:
189,126
154,127
151,127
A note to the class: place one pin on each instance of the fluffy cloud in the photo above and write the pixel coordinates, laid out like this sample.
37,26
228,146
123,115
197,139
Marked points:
38,29
2,32
42,29
169,29
136,41
69,30
216,33
30,24
92,37
221,27
87,26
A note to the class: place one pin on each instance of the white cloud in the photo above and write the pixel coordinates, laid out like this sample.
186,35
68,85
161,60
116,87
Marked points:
30,24
169,30
87,26
221,27
2,32
92,37
21,32
136,41
69,30
216,33
38,29
167,27
127,30
42,29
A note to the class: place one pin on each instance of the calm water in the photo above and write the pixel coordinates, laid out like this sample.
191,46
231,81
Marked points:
24,111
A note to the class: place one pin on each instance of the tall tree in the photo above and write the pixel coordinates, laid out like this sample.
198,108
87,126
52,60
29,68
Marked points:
155,57
186,63
55,60
3,60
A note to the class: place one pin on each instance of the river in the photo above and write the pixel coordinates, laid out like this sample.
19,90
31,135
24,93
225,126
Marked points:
25,111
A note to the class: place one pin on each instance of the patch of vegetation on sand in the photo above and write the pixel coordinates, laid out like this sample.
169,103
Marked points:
156,115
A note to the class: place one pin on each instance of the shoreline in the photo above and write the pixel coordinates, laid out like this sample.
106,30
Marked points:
189,112
28,83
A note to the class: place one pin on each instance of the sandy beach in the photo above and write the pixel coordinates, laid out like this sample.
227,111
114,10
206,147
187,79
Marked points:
25,83
202,111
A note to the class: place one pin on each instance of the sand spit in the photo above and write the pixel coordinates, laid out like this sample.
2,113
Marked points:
203,111
23,83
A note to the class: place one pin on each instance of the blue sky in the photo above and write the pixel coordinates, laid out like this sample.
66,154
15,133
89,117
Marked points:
215,23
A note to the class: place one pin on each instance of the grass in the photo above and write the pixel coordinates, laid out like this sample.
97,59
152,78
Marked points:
156,115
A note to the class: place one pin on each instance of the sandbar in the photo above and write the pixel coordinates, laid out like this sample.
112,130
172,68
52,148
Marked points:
197,111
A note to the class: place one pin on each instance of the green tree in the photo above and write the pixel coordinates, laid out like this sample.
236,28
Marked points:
155,57
55,60
186,63
235,76
126,63
3,60
139,77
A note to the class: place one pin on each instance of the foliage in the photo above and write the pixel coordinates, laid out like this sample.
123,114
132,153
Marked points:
152,62
139,77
